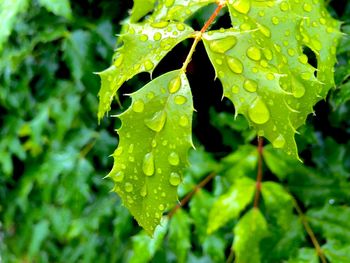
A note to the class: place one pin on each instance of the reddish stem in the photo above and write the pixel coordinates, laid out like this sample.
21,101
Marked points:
188,197
212,18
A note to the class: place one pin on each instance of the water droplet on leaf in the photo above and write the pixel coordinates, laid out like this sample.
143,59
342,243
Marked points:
234,64
174,84
156,123
138,106
174,159
148,164
174,179
258,112
223,45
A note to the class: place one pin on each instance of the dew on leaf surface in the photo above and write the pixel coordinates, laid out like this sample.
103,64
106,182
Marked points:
223,45
174,179
174,84
157,121
279,142
148,164
138,106
258,112
234,64
174,158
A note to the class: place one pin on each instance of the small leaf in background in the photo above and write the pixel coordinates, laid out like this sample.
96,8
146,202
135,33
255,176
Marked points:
145,247
286,230
143,48
200,206
332,221
155,137
76,52
141,8
9,10
229,205
59,8
179,236
248,233
337,252
178,10
40,232
305,255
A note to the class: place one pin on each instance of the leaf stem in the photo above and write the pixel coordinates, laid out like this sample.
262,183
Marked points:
310,232
199,34
188,197
260,172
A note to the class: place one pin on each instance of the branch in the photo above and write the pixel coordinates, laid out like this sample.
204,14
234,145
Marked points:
310,232
199,34
188,197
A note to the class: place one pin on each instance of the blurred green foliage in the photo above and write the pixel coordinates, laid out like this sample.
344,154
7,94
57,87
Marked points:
54,205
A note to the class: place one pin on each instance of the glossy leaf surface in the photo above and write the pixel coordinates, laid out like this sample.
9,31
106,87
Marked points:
144,46
229,205
155,137
263,69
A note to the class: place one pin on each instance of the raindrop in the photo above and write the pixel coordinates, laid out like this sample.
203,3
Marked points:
298,90
148,65
235,65
174,84
250,85
254,53
235,89
223,45
157,36
184,122
175,179
242,6
118,177
156,123
138,106
143,191
279,142
148,164
161,24
174,159
128,187
179,99
258,112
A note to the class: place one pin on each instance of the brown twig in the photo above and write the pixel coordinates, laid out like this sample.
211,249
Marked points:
260,172
188,197
310,232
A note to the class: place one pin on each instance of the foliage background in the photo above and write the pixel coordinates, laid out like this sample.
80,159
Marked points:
54,205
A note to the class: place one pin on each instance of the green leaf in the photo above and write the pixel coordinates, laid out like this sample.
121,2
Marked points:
140,9
248,233
76,50
337,252
59,8
154,140
200,206
180,235
264,72
9,11
286,231
178,10
332,221
229,205
305,255
145,247
144,46
278,203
